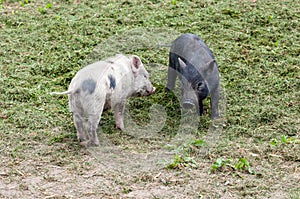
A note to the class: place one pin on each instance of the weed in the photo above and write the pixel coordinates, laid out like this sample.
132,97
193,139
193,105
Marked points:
44,9
181,162
241,165
24,2
221,162
284,140
184,154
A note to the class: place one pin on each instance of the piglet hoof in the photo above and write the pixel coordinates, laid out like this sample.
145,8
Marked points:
95,143
215,116
84,143
120,127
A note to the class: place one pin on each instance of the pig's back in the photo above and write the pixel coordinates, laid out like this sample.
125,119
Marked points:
113,65
93,70
192,48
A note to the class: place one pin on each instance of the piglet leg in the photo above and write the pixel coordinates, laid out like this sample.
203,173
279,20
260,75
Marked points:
93,122
119,115
172,73
78,121
214,101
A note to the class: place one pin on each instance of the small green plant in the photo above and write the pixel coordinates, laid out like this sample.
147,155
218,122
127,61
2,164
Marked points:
219,163
274,142
43,10
48,6
24,2
1,2
242,164
284,140
182,161
186,159
197,143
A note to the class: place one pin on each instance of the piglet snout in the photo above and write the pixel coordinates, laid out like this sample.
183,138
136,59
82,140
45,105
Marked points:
188,104
151,92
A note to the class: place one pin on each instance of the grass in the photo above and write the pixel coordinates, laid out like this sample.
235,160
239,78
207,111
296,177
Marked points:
43,45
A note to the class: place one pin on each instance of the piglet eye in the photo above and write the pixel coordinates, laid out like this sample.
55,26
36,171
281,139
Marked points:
199,85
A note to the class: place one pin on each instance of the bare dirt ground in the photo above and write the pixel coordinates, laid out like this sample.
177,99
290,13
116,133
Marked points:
117,172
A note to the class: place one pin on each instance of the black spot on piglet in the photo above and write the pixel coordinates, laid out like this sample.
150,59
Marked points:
112,81
88,85
110,62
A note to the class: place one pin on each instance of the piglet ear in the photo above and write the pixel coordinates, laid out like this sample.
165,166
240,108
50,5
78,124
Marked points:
136,63
209,67
181,63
